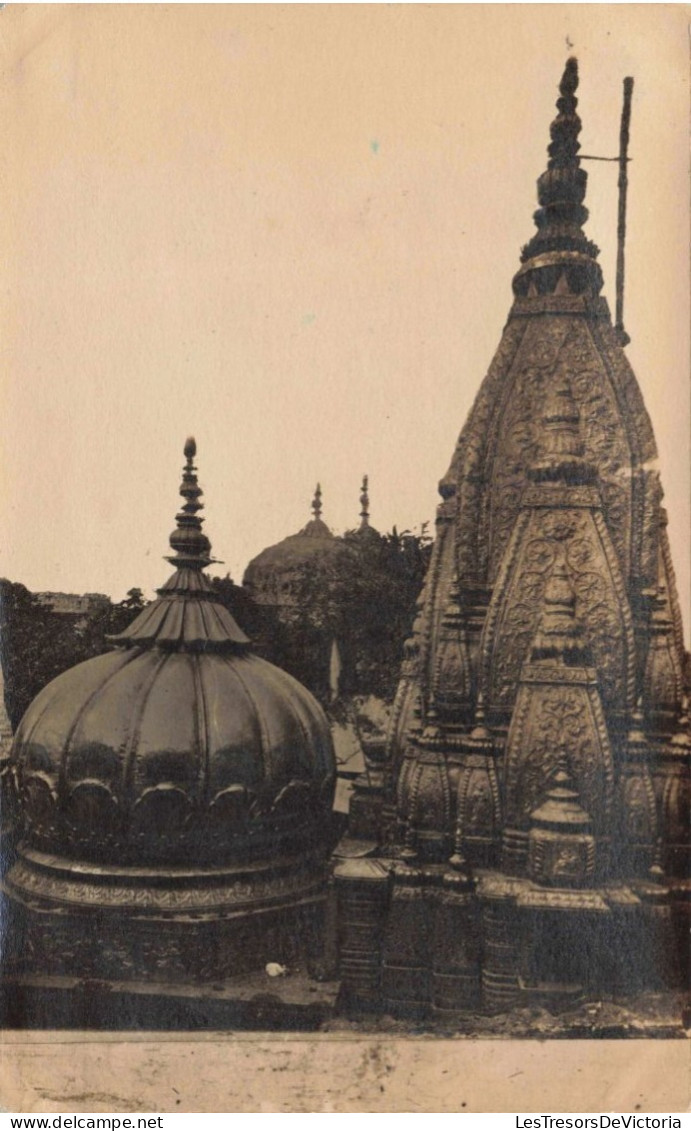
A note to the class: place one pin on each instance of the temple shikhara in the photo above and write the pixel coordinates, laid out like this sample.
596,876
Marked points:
523,839
532,829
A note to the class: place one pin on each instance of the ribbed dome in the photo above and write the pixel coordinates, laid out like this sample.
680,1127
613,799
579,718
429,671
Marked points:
181,746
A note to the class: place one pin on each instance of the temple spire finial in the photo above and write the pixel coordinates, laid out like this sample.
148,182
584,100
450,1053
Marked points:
564,131
364,503
317,502
192,547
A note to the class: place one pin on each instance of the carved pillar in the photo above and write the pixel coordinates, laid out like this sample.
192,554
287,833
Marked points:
478,809
676,803
659,958
363,891
500,987
457,947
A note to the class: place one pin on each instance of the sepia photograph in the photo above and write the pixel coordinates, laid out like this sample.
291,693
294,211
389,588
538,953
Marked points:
345,571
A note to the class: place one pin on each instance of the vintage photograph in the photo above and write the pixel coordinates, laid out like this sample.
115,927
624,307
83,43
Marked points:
344,607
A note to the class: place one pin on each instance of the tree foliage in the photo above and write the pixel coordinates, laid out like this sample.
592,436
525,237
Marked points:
37,644
363,598
239,603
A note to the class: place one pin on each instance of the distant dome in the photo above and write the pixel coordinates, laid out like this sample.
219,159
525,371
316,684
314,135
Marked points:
272,576
174,761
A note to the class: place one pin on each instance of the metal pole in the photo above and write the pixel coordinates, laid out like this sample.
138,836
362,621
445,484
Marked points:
621,222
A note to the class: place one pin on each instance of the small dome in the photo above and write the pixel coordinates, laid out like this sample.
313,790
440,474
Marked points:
271,577
180,746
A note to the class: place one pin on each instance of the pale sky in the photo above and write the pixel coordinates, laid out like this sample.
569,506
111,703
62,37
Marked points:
291,231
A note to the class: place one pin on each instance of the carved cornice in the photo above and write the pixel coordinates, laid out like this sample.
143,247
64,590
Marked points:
56,882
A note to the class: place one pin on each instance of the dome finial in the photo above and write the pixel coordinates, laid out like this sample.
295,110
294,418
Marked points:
192,547
316,528
364,503
188,614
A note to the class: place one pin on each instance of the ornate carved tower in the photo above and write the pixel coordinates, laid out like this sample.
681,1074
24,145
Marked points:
538,759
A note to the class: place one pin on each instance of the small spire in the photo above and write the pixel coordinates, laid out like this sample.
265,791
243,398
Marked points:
682,736
636,733
432,731
559,635
561,805
365,531
656,873
561,448
192,547
316,527
451,678
187,614
364,503
480,730
452,616
415,728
